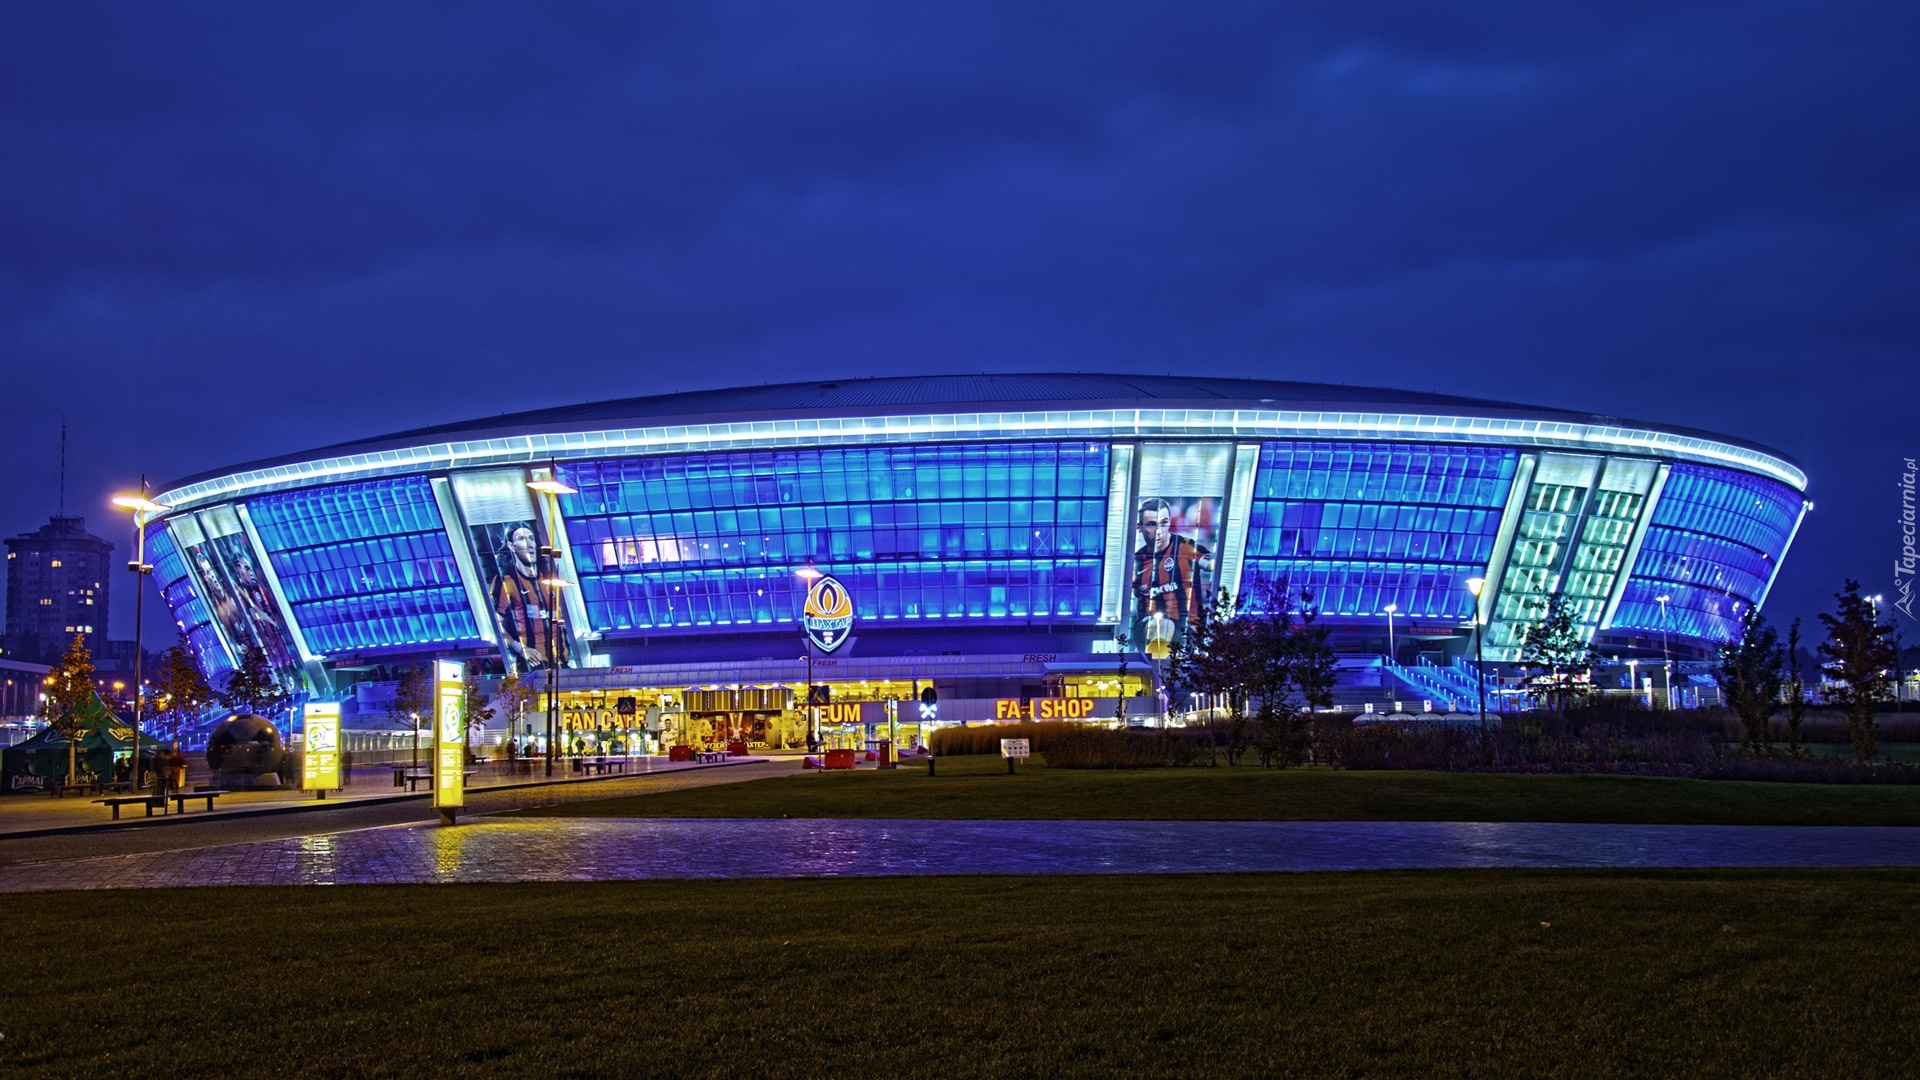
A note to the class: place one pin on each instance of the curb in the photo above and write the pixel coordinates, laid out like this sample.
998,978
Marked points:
314,805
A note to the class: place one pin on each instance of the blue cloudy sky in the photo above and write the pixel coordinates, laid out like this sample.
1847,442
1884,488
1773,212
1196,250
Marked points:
233,230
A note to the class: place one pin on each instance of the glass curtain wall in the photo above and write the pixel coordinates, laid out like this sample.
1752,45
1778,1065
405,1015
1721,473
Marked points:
366,565
1711,548
190,612
1364,525
1011,530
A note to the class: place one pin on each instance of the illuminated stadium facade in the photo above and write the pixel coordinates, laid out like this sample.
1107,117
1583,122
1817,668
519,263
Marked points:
994,536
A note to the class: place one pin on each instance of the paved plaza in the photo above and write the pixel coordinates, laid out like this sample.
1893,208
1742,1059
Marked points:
633,849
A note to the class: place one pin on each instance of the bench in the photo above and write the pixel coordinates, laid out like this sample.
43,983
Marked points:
709,757
425,776
601,767
62,788
180,799
151,802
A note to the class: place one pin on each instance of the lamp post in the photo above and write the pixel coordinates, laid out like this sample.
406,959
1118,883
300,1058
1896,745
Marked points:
1476,586
1633,675
808,575
552,487
142,508
1666,649
1391,654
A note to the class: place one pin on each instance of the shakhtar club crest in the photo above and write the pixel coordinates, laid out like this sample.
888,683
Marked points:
828,615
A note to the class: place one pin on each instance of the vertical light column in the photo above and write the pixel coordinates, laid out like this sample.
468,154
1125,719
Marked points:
1113,577
1782,557
449,738
458,539
1503,540
1633,546
1233,539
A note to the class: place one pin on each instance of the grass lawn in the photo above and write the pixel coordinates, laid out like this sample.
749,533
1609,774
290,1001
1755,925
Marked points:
979,787
1411,974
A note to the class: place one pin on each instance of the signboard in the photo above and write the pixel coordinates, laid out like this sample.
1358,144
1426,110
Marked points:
1013,748
449,736
1043,709
828,614
320,768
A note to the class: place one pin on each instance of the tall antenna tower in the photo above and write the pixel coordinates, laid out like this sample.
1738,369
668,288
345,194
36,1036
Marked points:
63,468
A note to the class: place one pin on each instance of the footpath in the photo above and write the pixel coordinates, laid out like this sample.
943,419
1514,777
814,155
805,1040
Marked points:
44,815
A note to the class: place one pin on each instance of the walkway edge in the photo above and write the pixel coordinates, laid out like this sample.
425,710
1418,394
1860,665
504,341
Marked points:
313,805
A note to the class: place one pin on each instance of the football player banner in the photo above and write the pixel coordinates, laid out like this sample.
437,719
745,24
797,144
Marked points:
320,766
449,736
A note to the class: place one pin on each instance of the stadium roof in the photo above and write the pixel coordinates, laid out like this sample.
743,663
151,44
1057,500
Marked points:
1000,395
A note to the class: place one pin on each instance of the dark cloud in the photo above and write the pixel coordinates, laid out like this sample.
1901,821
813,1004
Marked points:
234,230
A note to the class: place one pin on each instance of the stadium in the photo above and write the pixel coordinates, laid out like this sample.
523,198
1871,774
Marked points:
1020,544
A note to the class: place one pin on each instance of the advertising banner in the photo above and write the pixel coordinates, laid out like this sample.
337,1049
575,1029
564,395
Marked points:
506,531
449,735
224,572
1177,520
320,768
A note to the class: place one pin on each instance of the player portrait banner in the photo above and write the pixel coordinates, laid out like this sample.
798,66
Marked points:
1177,519
507,532
449,734
222,567
320,766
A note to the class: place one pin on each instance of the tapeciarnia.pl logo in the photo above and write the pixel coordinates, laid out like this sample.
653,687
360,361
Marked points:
1903,567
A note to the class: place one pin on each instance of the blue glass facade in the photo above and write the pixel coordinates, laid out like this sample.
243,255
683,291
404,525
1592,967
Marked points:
915,532
1712,545
366,565
189,610
1364,525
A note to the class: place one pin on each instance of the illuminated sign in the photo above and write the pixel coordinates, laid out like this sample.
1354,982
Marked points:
1068,708
320,767
449,735
828,614
842,712
1015,748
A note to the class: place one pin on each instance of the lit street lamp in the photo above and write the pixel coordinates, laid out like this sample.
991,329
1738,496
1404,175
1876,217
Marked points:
1666,648
808,575
552,487
142,508
1391,654
1476,586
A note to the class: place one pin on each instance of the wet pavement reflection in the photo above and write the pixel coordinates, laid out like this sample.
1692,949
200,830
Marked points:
626,849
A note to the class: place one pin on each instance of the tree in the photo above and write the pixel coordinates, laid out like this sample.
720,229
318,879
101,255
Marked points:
474,709
1796,689
1858,655
1290,671
411,696
69,686
512,699
1557,641
1212,660
181,691
1750,670
252,687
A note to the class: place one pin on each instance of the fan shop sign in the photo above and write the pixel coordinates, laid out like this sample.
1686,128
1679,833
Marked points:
1066,708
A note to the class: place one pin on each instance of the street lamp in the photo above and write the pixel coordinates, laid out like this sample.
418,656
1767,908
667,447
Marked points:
142,508
1391,655
1476,585
1666,648
808,575
552,487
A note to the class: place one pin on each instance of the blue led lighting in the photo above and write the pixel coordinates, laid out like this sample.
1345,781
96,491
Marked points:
366,565
995,530
1364,525
1711,547
188,607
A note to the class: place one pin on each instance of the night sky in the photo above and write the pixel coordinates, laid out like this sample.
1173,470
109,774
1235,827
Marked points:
231,231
